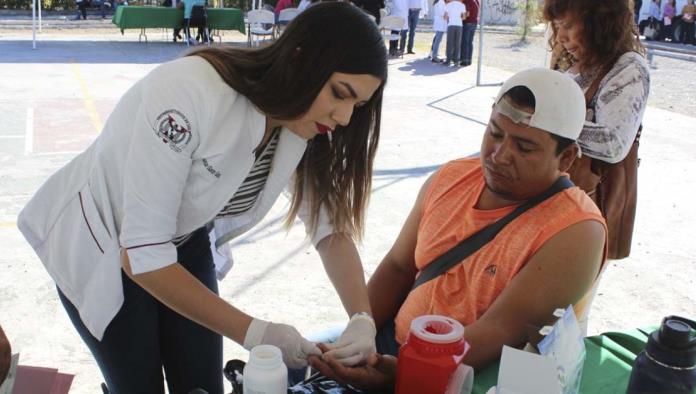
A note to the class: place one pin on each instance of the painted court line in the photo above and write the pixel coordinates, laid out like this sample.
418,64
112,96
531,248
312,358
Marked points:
89,103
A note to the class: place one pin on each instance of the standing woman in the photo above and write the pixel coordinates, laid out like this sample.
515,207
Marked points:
211,140
596,43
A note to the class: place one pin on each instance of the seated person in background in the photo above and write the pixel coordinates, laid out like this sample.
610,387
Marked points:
281,5
5,356
548,257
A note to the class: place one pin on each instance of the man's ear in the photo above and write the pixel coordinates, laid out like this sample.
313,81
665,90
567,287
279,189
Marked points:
568,156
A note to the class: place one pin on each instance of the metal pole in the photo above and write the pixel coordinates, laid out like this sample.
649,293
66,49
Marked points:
40,24
33,24
480,48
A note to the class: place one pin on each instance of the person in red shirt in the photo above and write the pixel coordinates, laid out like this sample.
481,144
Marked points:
281,5
468,31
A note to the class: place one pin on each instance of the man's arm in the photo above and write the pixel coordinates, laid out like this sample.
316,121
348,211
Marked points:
392,281
560,273
5,356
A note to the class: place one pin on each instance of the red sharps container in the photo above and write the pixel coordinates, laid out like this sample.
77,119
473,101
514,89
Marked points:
433,350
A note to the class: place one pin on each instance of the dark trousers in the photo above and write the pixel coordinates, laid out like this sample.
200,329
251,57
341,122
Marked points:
687,32
467,47
82,9
412,23
146,336
401,43
454,43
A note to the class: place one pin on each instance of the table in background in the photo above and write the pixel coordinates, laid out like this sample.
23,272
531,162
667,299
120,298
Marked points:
607,367
134,17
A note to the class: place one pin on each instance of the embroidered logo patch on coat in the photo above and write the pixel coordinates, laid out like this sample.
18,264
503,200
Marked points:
174,129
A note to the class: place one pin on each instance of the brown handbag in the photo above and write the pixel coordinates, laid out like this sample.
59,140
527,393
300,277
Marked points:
613,187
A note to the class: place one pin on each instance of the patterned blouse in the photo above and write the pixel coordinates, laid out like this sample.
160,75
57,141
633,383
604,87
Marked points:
616,111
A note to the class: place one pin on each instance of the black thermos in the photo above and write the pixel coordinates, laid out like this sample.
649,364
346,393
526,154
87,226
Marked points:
668,363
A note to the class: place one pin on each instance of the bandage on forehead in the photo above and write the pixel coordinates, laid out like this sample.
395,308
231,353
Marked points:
514,114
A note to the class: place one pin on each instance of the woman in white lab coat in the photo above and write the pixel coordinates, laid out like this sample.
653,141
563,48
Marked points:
208,142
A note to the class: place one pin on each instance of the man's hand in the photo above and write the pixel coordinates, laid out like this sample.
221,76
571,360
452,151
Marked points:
356,343
5,356
378,374
294,347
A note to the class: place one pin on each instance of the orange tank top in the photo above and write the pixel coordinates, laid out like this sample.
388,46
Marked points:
449,215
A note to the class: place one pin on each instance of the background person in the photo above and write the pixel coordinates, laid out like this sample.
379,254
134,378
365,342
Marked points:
596,43
399,8
455,13
212,139
414,10
81,9
440,28
669,11
372,7
688,15
469,30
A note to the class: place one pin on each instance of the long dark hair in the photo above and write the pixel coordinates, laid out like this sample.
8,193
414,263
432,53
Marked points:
609,30
283,79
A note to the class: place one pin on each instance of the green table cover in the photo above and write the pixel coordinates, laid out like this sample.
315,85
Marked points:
134,17
607,367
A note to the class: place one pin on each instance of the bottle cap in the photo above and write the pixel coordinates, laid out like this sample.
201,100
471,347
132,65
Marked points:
676,334
437,329
265,356
674,343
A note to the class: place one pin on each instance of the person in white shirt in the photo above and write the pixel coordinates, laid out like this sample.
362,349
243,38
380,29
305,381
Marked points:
455,13
209,141
440,27
414,10
399,8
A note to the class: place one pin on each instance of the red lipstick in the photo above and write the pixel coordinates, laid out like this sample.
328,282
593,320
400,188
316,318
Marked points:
322,128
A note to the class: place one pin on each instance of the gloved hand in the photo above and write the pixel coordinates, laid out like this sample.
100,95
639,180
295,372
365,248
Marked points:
357,342
294,347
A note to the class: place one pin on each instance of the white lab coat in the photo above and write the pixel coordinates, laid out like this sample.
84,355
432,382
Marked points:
400,8
173,152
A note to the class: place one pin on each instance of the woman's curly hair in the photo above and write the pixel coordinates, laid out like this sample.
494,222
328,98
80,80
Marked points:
609,29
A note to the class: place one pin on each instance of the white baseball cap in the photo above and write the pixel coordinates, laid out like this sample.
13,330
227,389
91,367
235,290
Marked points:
560,104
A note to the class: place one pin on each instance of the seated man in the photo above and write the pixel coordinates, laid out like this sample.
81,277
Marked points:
548,257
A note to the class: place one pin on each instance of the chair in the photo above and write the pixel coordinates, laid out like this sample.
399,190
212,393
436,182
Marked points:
391,23
260,23
284,18
199,19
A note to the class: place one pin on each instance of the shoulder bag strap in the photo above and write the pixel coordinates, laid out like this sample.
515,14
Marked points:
470,245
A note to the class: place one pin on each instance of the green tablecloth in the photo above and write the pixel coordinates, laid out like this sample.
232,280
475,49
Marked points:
133,17
607,367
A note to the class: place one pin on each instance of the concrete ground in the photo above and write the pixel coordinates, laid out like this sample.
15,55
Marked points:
53,101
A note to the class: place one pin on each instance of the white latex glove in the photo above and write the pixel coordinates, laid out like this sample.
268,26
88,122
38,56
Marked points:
294,347
356,343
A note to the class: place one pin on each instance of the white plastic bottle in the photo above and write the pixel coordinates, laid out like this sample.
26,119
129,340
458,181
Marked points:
265,373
